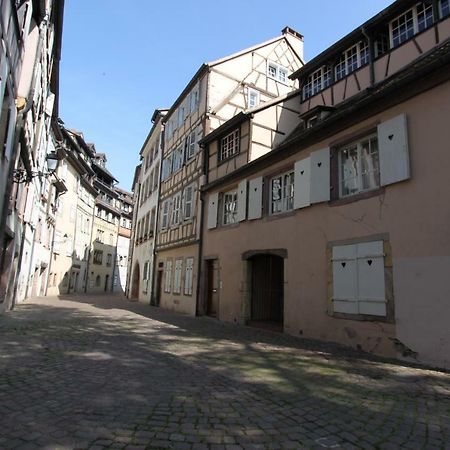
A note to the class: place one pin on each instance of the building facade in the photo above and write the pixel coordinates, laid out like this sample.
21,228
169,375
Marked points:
125,202
146,189
338,233
29,67
218,92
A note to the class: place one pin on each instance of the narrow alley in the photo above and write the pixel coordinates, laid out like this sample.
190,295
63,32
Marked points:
101,372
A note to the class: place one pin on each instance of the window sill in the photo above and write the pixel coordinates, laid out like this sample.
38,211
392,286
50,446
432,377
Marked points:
280,215
361,317
356,197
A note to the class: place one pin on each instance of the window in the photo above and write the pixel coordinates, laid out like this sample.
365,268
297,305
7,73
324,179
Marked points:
359,167
168,276
282,193
98,281
444,8
229,214
189,146
165,214
177,157
316,82
311,121
358,279
177,276
152,221
277,72
98,256
166,167
416,19
156,177
253,97
229,145
188,199
176,209
350,60
109,259
188,276
144,275
100,235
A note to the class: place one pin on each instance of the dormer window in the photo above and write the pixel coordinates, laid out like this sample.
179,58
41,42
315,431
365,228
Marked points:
352,59
316,82
413,21
444,8
229,145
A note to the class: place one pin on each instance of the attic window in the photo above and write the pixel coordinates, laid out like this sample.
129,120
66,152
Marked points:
229,145
277,72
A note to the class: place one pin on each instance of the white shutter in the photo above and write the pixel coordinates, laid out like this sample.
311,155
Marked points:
371,285
255,199
320,176
302,185
50,102
213,202
393,150
345,291
242,201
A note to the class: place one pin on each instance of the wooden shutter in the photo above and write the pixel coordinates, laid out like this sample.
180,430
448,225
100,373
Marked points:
255,199
320,176
371,284
345,294
393,150
302,185
213,201
242,201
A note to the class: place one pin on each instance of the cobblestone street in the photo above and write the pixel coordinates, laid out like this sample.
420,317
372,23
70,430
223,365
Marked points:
101,372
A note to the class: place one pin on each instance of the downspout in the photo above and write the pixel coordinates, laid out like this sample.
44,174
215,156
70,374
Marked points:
205,173
371,55
152,293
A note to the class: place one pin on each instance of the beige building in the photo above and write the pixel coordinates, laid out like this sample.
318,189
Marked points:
339,233
105,230
146,190
125,204
217,92
74,217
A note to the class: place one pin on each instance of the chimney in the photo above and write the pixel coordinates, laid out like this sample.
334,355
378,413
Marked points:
295,39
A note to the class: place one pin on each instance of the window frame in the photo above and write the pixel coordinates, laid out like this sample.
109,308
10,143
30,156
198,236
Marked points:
165,214
175,217
188,276
190,203
253,92
232,193
283,198
278,69
230,144
168,276
177,276
358,143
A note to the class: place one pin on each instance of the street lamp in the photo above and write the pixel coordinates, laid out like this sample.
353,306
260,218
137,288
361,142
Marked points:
22,176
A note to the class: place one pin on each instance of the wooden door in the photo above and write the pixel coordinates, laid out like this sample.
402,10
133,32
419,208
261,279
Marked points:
212,306
267,288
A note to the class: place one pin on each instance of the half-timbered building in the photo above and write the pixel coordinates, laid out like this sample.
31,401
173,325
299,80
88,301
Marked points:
340,232
217,92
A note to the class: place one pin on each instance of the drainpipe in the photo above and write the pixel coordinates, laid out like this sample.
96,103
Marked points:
371,55
158,199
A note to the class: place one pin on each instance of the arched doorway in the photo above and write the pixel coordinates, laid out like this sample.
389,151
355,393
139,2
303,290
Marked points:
135,282
267,291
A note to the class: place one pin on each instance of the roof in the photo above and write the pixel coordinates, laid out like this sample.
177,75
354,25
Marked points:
432,68
357,34
158,113
104,170
207,65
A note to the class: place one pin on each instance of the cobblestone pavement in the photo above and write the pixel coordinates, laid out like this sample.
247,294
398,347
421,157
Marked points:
101,372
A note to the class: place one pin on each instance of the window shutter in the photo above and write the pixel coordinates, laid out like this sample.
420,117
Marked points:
302,185
393,150
345,294
213,202
255,199
371,284
242,201
320,176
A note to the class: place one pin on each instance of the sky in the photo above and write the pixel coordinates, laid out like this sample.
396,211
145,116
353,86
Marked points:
123,59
